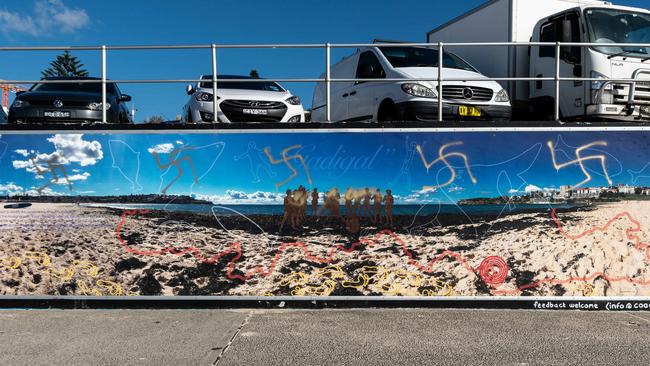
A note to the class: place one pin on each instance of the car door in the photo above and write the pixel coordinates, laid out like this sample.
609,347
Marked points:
361,95
339,90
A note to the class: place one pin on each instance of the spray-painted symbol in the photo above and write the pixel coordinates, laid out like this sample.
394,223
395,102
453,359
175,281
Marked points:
580,161
52,165
443,156
493,270
175,161
287,161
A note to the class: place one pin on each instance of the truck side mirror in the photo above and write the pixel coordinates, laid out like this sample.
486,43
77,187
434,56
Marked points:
567,31
577,71
189,89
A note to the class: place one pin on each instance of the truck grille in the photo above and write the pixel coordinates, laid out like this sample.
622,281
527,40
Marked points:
462,92
641,93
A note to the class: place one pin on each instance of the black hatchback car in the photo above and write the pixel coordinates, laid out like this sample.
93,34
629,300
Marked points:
69,102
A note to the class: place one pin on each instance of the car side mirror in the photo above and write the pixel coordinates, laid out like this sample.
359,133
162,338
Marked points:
20,92
189,89
125,98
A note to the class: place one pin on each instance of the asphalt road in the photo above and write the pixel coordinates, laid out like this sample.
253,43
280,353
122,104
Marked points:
323,337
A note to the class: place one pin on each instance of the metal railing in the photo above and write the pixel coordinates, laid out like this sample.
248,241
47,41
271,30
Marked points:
328,80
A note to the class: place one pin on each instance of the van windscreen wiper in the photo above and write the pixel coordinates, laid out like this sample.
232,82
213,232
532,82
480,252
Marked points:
628,51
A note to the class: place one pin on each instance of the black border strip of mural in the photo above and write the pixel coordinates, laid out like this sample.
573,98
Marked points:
332,302
311,126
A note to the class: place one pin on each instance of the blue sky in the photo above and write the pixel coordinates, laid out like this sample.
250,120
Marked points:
118,22
232,168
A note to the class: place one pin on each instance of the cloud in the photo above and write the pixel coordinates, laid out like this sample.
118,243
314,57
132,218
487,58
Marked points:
11,189
74,149
532,188
23,152
240,197
47,191
456,189
68,149
47,17
161,149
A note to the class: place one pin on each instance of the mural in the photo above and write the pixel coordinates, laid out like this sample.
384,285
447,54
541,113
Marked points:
326,214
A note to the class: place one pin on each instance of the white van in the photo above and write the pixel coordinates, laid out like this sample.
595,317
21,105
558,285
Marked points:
410,100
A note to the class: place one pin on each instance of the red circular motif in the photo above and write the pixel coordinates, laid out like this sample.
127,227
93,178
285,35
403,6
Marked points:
493,270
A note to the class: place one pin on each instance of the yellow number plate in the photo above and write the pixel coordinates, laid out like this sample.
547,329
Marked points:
466,111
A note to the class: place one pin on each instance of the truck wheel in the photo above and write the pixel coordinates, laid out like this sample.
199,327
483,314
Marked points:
544,109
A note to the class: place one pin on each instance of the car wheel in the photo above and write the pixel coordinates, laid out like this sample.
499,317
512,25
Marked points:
387,112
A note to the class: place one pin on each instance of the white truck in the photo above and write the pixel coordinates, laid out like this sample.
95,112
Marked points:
576,21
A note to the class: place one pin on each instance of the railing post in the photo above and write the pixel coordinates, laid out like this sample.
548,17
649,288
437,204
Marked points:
104,109
556,106
440,61
214,83
328,83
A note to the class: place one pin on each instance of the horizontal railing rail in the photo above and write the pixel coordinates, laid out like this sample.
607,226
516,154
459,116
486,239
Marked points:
328,80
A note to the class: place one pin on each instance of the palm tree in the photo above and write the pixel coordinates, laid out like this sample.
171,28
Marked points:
65,65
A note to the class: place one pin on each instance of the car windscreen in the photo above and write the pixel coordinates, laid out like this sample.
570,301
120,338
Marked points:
223,83
616,26
422,57
93,87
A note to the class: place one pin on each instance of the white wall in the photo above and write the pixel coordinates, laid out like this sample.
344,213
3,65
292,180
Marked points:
490,24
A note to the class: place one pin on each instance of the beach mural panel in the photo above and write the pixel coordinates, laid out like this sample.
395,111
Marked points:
482,213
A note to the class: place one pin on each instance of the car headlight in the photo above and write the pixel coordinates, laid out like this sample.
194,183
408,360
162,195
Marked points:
19,103
204,97
294,100
597,84
418,90
502,96
97,106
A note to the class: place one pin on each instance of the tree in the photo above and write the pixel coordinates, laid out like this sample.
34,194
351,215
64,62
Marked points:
254,74
65,65
154,119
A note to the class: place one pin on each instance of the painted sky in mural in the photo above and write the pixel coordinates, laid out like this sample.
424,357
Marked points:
250,168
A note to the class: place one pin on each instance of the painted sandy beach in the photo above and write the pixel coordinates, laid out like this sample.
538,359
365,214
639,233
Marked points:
67,249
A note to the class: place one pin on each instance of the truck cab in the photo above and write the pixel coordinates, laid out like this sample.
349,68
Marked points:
603,98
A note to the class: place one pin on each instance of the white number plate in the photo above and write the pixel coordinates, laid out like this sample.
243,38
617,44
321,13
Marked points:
255,111
57,114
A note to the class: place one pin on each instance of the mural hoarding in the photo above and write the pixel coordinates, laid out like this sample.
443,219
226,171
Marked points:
313,213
